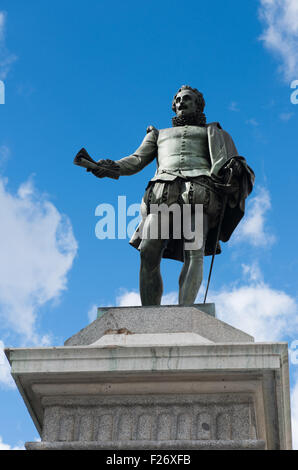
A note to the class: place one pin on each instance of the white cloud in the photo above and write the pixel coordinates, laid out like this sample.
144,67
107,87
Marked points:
132,298
293,352
280,35
5,378
170,299
255,307
3,446
6,58
252,271
37,249
265,313
2,25
128,299
252,227
92,313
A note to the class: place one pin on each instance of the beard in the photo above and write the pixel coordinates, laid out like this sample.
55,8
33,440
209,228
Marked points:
196,118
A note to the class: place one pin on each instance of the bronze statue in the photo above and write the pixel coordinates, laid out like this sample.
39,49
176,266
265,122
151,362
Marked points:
197,163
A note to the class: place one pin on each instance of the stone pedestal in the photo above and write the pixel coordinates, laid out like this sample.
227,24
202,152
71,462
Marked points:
166,377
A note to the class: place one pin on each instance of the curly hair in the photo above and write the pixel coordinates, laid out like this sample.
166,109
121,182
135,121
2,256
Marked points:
199,101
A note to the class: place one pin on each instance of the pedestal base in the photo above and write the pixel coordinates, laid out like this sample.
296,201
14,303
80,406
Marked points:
183,389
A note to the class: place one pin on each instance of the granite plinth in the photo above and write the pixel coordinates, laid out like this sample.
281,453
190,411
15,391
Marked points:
160,319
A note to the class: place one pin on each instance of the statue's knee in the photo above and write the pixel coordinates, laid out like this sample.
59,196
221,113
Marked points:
193,254
150,256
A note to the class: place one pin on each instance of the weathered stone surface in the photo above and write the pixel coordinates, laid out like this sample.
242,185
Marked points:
175,390
152,340
92,395
165,417
159,319
150,445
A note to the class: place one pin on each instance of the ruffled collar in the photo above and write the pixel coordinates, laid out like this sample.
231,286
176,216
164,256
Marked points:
193,119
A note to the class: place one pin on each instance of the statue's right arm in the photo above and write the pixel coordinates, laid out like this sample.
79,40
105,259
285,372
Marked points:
127,165
144,155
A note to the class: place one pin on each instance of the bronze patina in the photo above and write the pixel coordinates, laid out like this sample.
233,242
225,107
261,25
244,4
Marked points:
197,163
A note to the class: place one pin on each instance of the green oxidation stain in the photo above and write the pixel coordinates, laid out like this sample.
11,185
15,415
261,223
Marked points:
113,360
154,359
173,361
101,312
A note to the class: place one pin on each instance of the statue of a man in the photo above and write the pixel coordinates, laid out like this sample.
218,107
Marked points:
193,160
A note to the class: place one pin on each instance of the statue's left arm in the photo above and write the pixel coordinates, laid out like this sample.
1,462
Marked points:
225,157
242,172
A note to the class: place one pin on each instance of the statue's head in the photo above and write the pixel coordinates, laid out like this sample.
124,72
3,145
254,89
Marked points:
189,101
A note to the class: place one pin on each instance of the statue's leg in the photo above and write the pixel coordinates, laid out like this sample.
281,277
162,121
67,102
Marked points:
192,271
151,286
191,276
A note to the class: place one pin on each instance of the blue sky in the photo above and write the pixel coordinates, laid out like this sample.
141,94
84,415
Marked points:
96,74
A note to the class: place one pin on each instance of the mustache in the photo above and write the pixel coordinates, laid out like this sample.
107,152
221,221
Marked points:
182,106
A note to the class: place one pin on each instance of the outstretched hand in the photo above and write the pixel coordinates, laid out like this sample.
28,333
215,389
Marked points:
107,168
100,171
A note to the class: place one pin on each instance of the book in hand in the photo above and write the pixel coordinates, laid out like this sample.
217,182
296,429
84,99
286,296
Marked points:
104,167
83,159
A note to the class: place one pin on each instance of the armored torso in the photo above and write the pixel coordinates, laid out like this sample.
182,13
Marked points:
182,151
